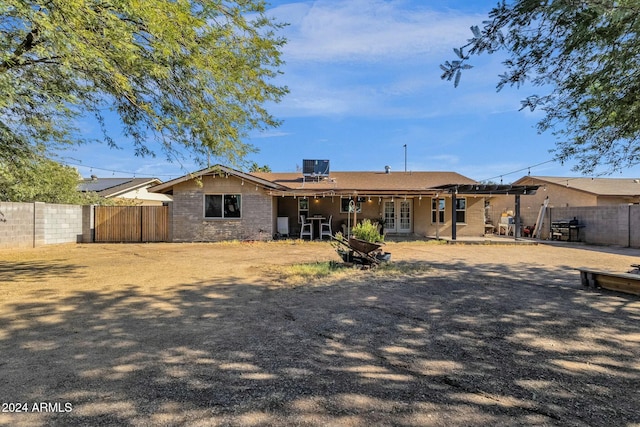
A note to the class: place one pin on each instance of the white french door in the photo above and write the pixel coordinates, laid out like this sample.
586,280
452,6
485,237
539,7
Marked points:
397,215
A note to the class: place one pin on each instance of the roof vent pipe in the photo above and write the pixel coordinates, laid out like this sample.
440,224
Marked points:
387,169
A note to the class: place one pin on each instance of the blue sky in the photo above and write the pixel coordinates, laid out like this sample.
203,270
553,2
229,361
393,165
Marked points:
364,80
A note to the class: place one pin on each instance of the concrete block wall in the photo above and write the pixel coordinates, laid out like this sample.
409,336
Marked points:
16,225
604,225
29,225
634,226
62,223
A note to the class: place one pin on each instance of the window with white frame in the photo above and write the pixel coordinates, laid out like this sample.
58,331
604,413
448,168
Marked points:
218,206
461,210
439,208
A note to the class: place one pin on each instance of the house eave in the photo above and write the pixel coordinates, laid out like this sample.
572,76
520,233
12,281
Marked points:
488,189
217,170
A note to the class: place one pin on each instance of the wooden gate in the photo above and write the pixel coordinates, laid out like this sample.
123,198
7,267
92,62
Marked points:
131,224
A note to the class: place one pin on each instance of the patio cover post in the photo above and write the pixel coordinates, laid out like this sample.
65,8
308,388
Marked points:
453,216
355,210
516,232
437,216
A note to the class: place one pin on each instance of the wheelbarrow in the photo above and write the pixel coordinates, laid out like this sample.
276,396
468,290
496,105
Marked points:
361,252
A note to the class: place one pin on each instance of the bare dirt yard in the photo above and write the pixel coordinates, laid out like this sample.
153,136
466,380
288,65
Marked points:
225,334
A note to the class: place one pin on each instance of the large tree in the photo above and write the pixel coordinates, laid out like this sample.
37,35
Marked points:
584,57
179,75
38,179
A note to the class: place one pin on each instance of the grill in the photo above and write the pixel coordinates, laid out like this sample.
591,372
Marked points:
566,229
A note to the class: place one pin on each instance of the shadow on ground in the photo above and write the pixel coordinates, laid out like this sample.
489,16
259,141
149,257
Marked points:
36,271
457,345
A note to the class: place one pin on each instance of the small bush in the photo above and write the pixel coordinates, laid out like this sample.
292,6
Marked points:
367,230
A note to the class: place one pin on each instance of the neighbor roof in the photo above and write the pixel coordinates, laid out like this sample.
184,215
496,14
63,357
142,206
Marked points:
111,187
596,186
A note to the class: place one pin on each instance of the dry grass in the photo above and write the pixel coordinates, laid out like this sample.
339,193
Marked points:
252,333
335,271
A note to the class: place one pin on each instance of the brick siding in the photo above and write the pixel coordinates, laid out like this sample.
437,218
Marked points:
188,222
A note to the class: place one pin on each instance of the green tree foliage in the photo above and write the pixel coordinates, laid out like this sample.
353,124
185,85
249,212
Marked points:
38,179
584,58
180,75
255,167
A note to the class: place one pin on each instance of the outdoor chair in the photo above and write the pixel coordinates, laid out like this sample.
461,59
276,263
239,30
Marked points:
306,228
325,228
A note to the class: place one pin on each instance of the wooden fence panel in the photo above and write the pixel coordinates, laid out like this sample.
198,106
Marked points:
155,223
131,224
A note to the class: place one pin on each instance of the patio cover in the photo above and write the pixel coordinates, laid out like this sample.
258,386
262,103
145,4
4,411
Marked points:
492,190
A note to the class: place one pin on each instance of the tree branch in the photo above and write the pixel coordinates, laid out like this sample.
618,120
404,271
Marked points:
27,44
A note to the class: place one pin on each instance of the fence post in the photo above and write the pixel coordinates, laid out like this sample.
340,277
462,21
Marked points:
88,223
169,221
629,225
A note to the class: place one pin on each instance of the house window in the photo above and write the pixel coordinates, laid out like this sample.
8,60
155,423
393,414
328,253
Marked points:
461,210
439,209
344,205
222,206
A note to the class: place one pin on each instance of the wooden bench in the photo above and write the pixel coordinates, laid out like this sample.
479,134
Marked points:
621,282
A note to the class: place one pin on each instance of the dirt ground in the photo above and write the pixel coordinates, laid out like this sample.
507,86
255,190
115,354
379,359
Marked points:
209,334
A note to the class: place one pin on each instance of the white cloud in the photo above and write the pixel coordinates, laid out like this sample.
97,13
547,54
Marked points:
269,134
369,30
380,58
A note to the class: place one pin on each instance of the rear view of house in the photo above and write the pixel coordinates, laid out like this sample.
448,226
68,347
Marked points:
220,203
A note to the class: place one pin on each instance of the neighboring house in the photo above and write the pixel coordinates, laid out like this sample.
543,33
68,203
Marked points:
127,191
565,192
220,203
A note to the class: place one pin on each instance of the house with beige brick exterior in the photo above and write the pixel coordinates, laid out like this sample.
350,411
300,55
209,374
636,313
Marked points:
567,192
220,203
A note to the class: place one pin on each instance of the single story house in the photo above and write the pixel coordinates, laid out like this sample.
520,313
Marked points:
563,192
220,203
127,191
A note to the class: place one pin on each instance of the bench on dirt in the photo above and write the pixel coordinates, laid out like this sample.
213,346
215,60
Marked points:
621,282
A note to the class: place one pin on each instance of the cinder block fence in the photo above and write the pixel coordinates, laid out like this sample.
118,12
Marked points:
29,225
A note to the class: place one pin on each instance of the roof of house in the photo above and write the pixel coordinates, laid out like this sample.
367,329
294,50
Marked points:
366,182
112,187
167,187
336,183
597,186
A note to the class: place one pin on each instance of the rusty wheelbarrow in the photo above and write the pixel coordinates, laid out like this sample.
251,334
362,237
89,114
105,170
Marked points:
359,251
